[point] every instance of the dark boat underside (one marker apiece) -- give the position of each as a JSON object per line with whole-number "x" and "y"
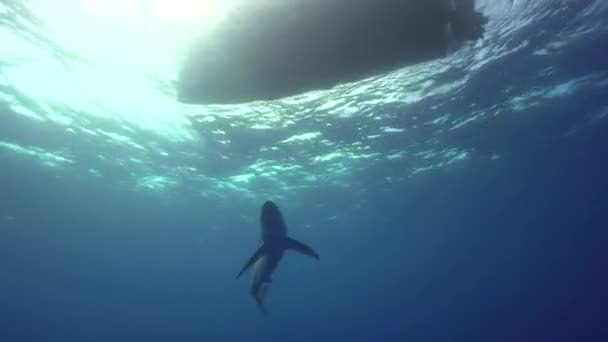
{"x": 271, "y": 49}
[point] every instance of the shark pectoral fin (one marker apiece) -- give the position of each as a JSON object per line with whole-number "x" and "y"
{"x": 251, "y": 260}
{"x": 302, "y": 248}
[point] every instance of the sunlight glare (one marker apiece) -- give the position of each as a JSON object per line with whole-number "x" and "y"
{"x": 159, "y": 9}
{"x": 127, "y": 46}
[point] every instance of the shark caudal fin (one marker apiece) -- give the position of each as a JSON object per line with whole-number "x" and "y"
{"x": 260, "y": 297}
{"x": 301, "y": 247}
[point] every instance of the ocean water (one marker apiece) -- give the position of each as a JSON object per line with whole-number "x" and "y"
{"x": 462, "y": 199}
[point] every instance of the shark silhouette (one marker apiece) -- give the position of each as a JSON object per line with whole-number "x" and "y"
{"x": 274, "y": 241}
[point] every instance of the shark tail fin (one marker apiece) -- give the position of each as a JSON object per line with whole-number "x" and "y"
{"x": 301, "y": 247}
{"x": 260, "y": 297}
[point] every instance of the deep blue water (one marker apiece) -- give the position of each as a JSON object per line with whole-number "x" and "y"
{"x": 473, "y": 213}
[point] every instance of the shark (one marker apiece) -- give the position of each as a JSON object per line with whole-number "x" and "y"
{"x": 273, "y": 243}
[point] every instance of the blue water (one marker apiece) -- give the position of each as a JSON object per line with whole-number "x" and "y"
{"x": 459, "y": 200}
